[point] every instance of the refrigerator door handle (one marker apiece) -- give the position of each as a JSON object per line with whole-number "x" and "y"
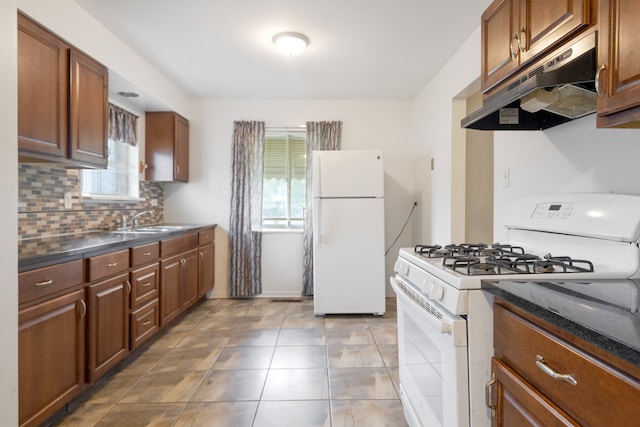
{"x": 316, "y": 176}
{"x": 316, "y": 220}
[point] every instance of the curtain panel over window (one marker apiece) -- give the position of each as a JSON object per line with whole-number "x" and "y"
{"x": 122, "y": 125}
{"x": 245, "y": 235}
{"x": 320, "y": 136}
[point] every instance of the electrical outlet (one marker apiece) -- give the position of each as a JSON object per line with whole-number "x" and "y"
{"x": 68, "y": 202}
{"x": 154, "y": 202}
{"x": 506, "y": 177}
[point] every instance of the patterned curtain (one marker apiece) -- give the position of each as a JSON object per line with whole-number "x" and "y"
{"x": 245, "y": 224}
{"x": 320, "y": 136}
{"x": 122, "y": 125}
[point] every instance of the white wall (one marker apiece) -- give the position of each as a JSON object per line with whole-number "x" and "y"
{"x": 282, "y": 271}
{"x": 367, "y": 124}
{"x": 432, "y": 138}
{"x": 9, "y": 215}
{"x": 573, "y": 157}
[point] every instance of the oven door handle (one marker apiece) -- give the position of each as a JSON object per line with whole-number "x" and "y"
{"x": 434, "y": 322}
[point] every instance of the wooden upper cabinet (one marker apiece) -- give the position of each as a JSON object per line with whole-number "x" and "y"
{"x": 62, "y": 100}
{"x": 167, "y": 147}
{"x": 43, "y": 90}
{"x": 89, "y": 100}
{"x": 499, "y": 23}
{"x": 544, "y": 23}
{"x": 619, "y": 76}
{"x": 516, "y": 31}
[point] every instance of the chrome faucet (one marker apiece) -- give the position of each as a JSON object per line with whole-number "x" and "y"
{"x": 135, "y": 217}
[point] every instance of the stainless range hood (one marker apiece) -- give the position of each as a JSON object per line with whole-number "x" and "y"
{"x": 559, "y": 89}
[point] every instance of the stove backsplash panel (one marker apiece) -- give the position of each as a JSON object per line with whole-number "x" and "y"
{"x": 41, "y": 207}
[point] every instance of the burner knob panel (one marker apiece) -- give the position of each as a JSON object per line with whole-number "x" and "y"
{"x": 436, "y": 293}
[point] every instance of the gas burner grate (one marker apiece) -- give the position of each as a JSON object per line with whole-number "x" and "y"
{"x": 569, "y": 264}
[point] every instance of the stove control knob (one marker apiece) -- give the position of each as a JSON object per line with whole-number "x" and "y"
{"x": 436, "y": 293}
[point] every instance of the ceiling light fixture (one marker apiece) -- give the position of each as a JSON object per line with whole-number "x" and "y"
{"x": 289, "y": 43}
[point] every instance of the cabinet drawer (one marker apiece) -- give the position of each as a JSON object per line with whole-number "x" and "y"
{"x": 521, "y": 344}
{"x": 145, "y": 254}
{"x": 145, "y": 322}
{"x": 144, "y": 284}
{"x": 205, "y": 236}
{"x": 178, "y": 244}
{"x": 106, "y": 265}
{"x": 46, "y": 281}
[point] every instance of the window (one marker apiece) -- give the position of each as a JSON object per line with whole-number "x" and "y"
{"x": 120, "y": 179}
{"x": 283, "y": 193}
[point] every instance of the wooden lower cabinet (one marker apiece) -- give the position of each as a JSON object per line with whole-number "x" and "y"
{"x": 145, "y": 322}
{"x": 542, "y": 379}
{"x": 178, "y": 284}
{"x": 205, "y": 269}
{"x": 519, "y": 404}
{"x": 108, "y": 316}
{"x": 51, "y": 354}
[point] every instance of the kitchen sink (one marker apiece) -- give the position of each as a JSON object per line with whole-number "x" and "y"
{"x": 150, "y": 229}
{"x": 159, "y": 228}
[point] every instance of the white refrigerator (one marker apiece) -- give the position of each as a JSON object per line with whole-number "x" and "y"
{"x": 348, "y": 232}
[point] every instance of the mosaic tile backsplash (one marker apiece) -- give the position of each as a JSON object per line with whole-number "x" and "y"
{"x": 41, "y": 208}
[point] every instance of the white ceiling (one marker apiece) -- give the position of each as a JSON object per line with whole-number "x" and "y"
{"x": 385, "y": 49}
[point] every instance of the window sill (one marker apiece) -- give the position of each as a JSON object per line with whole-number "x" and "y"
{"x": 109, "y": 199}
{"x": 282, "y": 231}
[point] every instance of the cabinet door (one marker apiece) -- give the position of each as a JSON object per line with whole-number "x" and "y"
{"x": 189, "y": 293}
{"x": 499, "y": 49}
{"x": 108, "y": 308}
{"x": 518, "y": 404}
{"x": 181, "y": 149}
{"x": 546, "y": 22}
{"x": 170, "y": 278}
{"x": 206, "y": 269}
{"x": 43, "y": 80}
{"x": 88, "y": 110}
{"x": 51, "y": 356}
{"x": 620, "y": 76}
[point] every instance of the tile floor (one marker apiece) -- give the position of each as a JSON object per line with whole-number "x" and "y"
{"x": 255, "y": 363}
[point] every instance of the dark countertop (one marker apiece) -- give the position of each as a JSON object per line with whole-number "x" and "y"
{"x": 40, "y": 252}
{"x": 613, "y": 330}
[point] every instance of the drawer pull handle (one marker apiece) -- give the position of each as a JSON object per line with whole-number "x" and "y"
{"x": 487, "y": 394}
{"x": 45, "y": 282}
{"x": 113, "y": 264}
{"x": 541, "y": 364}
{"x": 148, "y": 322}
{"x": 147, "y": 254}
{"x": 144, "y": 285}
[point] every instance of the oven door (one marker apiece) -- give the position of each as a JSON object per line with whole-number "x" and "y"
{"x": 432, "y": 352}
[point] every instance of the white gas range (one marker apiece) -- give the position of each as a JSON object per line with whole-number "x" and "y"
{"x": 587, "y": 243}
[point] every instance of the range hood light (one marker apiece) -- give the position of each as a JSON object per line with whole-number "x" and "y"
{"x": 539, "y": 99}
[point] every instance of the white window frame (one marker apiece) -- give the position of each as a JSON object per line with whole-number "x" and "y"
{"x": 286, "y": 225}
{"x": 132, "y": 191}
